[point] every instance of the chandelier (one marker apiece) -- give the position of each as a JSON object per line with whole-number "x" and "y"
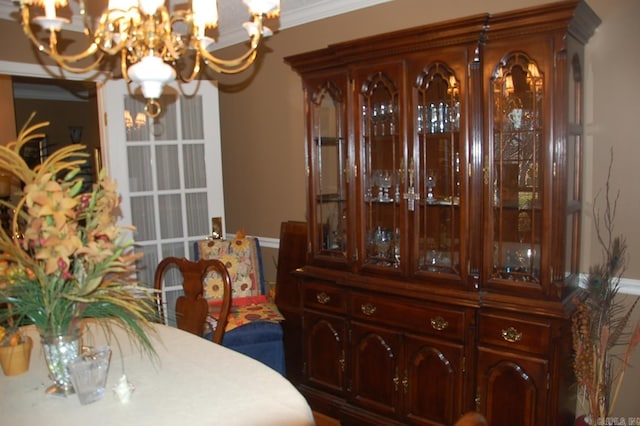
{"x": 149, "y": 39}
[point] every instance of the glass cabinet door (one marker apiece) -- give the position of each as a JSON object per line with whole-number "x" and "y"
{"x": 438, "y": 177}
{"x": 329, "y": 158}
{"x": 517, "y": 89}
{"x": 382, "y": 172}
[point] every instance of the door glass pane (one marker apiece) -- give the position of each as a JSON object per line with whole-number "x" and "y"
{"x": 194, "y": 175}
{"x": 173, "y": 249}
{"x": 167, "y": 167}
{"x": 139, "y": 166}
{"x": 143, "y": 218}
{"x": 165, "y": 126}
{"x": 382, "y": 172}
{"x": 517, "y": 89}
{"x": 170, "y": 209}
{"x": 191, "y": 117}
{"x": 196, "y": 211}
{"x": 147, "y": 263}
{"x": 330, "y": 155}
{"x": 136, "y": 122}
{"x": 438, "y": 129}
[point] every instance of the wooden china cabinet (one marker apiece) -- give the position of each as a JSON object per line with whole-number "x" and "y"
{"x": 444, "y": 170}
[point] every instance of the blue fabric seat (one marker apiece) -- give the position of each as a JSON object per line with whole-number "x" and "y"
{"x": 260, "y": 340}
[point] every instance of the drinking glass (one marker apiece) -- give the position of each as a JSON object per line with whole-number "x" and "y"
{"x": 89, "y": 374}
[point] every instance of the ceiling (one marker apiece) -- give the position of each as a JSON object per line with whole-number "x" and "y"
{"x": 232, "y": 14}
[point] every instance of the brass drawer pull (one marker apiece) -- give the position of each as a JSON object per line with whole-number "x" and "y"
{"x": 439, "y": 323}
{"x": 368, "y": 309}
{"x": 323, "y": 298}
{"x": 511, "y": 335}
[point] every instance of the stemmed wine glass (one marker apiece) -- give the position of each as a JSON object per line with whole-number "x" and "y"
{"x": 385, "y": 183}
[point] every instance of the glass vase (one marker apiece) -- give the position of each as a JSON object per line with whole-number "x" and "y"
{"x": 59, "y": 352}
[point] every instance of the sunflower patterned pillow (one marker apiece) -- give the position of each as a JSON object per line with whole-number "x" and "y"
{"x": 240, "y": 256}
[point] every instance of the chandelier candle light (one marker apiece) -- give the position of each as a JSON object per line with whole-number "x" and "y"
{"x": 149, "y": 38}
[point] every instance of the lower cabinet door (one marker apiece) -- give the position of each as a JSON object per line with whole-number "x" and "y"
{"x": 376, "y": 370}
{"x": 512, "y": 388}
{"x": 325, "y": 363}
{"x": 432, "y": 381}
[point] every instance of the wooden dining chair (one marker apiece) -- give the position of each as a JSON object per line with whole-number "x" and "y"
{"x": 191, "y": 308}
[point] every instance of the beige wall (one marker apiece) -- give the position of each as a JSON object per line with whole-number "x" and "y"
{"x": 7, "y": 124}
{"x": 262, "y": 128}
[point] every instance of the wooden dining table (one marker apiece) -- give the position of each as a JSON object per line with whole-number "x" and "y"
{"x": 192, "y": 381}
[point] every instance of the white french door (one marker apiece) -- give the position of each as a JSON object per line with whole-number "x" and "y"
{"x": 168, "y": 169}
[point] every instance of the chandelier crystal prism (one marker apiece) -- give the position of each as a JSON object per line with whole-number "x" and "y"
{"x": 149, "y": 39}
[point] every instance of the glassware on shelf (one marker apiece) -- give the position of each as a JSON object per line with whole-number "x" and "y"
{"x": 382, "y": 119}
{"x": 365, "y": 121}
{"x": 377, "y": 182}
{"x": 385, "y": 182}
{"x": 438, "y": 117}
{"x": 396, "y": 246}
{"x": 420, "y": 117}
{"x": 391, "y": 118}
{"x": 432, "y": 118}
{"x": 455, "y": 116}
{"x": 381, "y": 243}
{"x": 431, "y": 183}
{"x": 433, "y": 258}
{"x": 375, "y": 119}
{"x": 369, "y": 183}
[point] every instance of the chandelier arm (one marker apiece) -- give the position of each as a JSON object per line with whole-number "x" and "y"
{"x": 219, "y": 66}
{"x": 170, "y": 41}
{"x": 232, "y": 66}
{"x": 100, "y": 35}
{"x": 62, "y": 60}
{"x": 123, "y": 65}
{"x": 164, "y": 36}
{"x": 241, "y": 63}
{"x": 195, "y": 71}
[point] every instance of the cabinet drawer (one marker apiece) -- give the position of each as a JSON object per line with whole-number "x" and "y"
{"x": 423, "y": 318}
{"x": 324, "y": 297}
{"x": 529, "y": 335}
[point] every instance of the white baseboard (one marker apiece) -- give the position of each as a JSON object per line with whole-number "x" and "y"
{"x": 630, "y": 286}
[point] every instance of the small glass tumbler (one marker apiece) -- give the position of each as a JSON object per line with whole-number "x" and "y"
{"x": 89, "y": 374}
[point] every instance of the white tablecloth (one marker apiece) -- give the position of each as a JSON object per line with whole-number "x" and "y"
{"x": 193, "y": 382}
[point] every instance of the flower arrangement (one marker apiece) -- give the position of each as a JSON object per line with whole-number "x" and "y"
{"x": 64, "y": 258}
{"x": 601, "y": 340}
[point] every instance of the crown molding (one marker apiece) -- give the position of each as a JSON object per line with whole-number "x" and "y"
{"x": 300, "y": 15}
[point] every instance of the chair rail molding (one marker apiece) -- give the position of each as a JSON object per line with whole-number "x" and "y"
{"x": 630, "y": 286}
